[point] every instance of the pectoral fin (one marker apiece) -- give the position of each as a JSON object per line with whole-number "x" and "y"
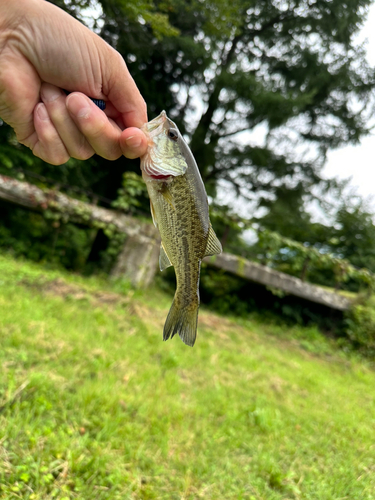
{"x": 167, "y": 195}
{"x": 164, "y": 261}
{"x": 213, "y": 246}
{"x": 153, "y": 214}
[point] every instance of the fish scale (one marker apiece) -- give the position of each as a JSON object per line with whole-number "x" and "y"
{"x": 179, "y": 207}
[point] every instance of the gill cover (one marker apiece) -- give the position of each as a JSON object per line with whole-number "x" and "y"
{"x": 163, "y": 157}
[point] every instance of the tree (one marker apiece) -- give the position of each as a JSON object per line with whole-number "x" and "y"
{"x": 354, "y": 235}
{"x": 221, "y": 69}
{"x": 225, "y": 70}
{"x": 289, "y": 67}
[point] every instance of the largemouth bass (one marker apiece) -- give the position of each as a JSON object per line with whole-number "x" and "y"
{"x": 179, "y": 209}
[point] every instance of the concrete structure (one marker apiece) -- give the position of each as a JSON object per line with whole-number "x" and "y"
{"x": 274, "y": 279}
{"x": 139, "y": 257}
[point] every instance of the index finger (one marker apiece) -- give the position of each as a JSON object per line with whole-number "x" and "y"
{"x": 102, "y": 133}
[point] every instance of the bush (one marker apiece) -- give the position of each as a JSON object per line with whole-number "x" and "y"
{"x": 360, "y": 327}
{"x": 28, "y": 234}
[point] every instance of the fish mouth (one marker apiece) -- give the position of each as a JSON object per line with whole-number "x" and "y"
{"x": 155, "y": 126}
{"x": 156, "y": 164}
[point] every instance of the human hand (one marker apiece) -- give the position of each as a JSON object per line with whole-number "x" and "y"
{"x": 44, "y": 50}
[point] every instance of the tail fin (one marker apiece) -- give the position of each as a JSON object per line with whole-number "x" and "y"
{"x": 182, "y": 319}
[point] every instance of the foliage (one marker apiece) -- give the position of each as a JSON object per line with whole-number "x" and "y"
{"x": 90, "y": 12}
{"x": 354, "y": 235}
{"x": 63, "y": 238}
{"x": 349, "y": 237}
{"x": 132, "y": 195}
{"x": 360, "y": 326}
{"x": 287, "y": 215}
{"x": 297, "y": 254}
{"x": 12, "y": 154}
{"x": 238, "y": 297}
{"x": 323, "y": 260}
{"x": 292, "y": 68}
{"x": 228, "y": 227}
{"x": 223, "y": 70}
{"x": 95, "y": 405}
{"x": 44, "y": 239}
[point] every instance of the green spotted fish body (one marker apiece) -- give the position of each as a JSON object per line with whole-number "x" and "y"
{"x": 179, "y": 209}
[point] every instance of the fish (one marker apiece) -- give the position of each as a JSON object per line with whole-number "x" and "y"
{"x": 179, "y": 209}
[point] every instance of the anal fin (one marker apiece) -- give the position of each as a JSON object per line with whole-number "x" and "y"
{"x": 213, "y": 246}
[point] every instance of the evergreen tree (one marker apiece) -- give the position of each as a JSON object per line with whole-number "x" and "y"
{"x": 291, "y": 68}
{"x": 221, "y": 69}
{"x": 224, "y": 70}
{"x": 354, "y": 235}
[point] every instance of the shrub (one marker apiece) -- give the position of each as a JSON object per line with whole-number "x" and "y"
{"x": 360, "y": 327}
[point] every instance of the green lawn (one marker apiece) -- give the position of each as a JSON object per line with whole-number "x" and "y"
{"x": 95, "y": 406}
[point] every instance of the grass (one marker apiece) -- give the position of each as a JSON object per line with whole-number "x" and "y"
{"x": 93, "y": 405}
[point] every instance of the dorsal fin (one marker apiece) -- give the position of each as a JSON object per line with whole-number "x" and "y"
{"x": 213, "y": 246}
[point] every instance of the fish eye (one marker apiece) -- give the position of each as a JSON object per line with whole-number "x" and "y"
{"x": 173, "y": 134}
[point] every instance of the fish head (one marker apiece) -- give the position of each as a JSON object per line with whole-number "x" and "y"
{"x": 164, "y": 158}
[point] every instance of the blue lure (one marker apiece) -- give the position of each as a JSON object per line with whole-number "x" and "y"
{"x": 99, "y": 102}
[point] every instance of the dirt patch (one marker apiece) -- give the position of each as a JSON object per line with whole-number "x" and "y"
{"x": 214, "y": 322}
{"x": 150, "y": 315}
{"x": 68, "y": 291}
{"x": 223, "y": 327}
{"x": 60, "y": 288}
{"x": 63, "y": 289}
{"x": 277, "y": 384}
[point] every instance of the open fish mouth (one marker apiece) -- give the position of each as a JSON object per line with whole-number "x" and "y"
{"x": 154, "y": 126}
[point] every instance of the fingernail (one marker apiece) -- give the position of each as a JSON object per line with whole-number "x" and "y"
{"x": 42, "y": 112}
{"x": 50, "y": 93}
{"x": 134, "y": 141}
{"x": 78, "y": 106}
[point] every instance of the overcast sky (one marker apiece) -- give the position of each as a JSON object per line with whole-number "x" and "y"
{"x": 358, "y": 162}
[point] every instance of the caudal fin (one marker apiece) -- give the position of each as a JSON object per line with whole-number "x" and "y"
{"x": 182, "y": 320}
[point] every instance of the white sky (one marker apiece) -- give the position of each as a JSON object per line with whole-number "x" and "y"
{"x": 358, "y": 162}
{"x": 349, "y": 162}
